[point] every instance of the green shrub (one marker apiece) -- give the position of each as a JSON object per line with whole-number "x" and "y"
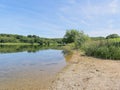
{"x": 107, "y": 49}
{"x": 112, "y": 36}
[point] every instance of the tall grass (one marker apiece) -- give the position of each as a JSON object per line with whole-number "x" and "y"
{"x": 68, "y": 48}
{"x": 107, "y": 49}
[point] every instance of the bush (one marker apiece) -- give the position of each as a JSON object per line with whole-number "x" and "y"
{"x": 81, "y": 40}
{"x": 76, "y": 37}
{"x": 68, "y": 48}
{"x": 103, "y": 49}
{"x": 112, "y": 36}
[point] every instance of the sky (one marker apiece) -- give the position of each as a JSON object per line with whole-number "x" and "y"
{"x": 51, "y": 18}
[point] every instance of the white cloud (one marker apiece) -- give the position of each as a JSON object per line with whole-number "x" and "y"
{"x": 98, "y": 17}
{"x": 90, "y": 9}
{"x": 107, "y": 8}
{"x": 114, "y": 7}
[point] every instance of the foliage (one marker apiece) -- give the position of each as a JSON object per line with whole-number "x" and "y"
{"x": 81, "y": 40}
{"x": 71, "y": 36}
{"x": 112, "y": 36}
{"x": 31, "y": 39}
{"x": 97, "y": 38}
{"x": 76, "y": 37}
{"x": 68, "y": 49}
{"x": 107, "y": 49}
{"x": 95, "y": 46}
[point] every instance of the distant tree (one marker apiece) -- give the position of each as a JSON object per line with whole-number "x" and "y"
{"x": 112, "y": 36}
{"x": 29, "y": 36}
{"x": 34, "y": 36}
{"x": 71, "y": 36}
{"x": 74, "y": 36}
{"x": 31, "y": 41}
{"x": 2, "y": 41}
{"x": 14, "y": 38}
{"x": 98, "y": 38}
{"x": 18, "y": 36}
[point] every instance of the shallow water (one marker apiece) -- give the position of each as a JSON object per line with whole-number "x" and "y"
{"x": 29, "y": 71}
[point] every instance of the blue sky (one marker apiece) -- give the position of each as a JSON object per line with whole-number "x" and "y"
{"x": 51, "y": 18}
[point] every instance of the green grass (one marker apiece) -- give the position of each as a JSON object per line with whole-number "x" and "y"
{"x": 106, "y": 49}
{"x": 67, "y": 49}
{"x": 18, "y": 44}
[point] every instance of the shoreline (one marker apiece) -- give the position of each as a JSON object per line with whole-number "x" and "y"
{"x": 88, "y": 73}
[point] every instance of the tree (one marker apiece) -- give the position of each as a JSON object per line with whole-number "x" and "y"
{"x": 74, "y": 36}
{"x": 14, "y": 38}
{"x": 112, "y": 36}
{"x": 81, "y": 40}
{"x": 71, "y": 36}
{"x": 30, "y": 36}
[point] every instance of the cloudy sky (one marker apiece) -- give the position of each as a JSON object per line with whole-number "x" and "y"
{"x": 51, "y": 18}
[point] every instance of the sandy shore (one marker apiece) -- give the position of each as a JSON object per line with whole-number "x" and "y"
{"x": 87, "y": 73}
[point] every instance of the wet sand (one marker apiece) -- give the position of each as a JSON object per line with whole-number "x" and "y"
{"x": 33, "y": 79}
{"x": 88, "y": 73}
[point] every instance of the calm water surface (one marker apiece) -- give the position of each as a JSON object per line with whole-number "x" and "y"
{"x": 28, "y": 69}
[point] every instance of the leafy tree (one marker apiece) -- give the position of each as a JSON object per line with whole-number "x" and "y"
{"x": 81, "y": 40}
{"x": 112, "y": 36}
{"x": 75, "y": 36}
{"x": 71, "y": 36}
{"x": 30, "y": 36}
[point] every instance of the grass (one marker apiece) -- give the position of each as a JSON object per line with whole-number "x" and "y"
{"x": 18, "y": 44}
{"x": 106, "y": 49}
{"x": 68, "y": 49}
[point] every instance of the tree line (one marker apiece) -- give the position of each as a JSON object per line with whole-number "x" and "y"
{"x": 12, "y": 38}
{"x": 71, "y": 36}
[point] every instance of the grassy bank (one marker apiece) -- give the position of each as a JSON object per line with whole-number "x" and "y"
{"x": 18, "y": 44}
{"x": 100, "y": 47}
{"x": 106, "y": 49}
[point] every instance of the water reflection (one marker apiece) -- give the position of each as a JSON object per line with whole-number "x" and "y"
{"x": 23, "y": 48}
{"x": 30, "y": 70}
{"x": 67, "y": 55}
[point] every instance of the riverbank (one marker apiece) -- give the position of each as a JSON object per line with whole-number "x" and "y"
{"x": 87, "y": 73}
{"x": 20, "y": 44}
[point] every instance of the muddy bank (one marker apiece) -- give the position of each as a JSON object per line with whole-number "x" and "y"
{"x": 87, "y": 73}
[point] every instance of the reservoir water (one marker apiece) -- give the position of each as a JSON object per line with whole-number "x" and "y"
{"x": 29, "y": 68}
